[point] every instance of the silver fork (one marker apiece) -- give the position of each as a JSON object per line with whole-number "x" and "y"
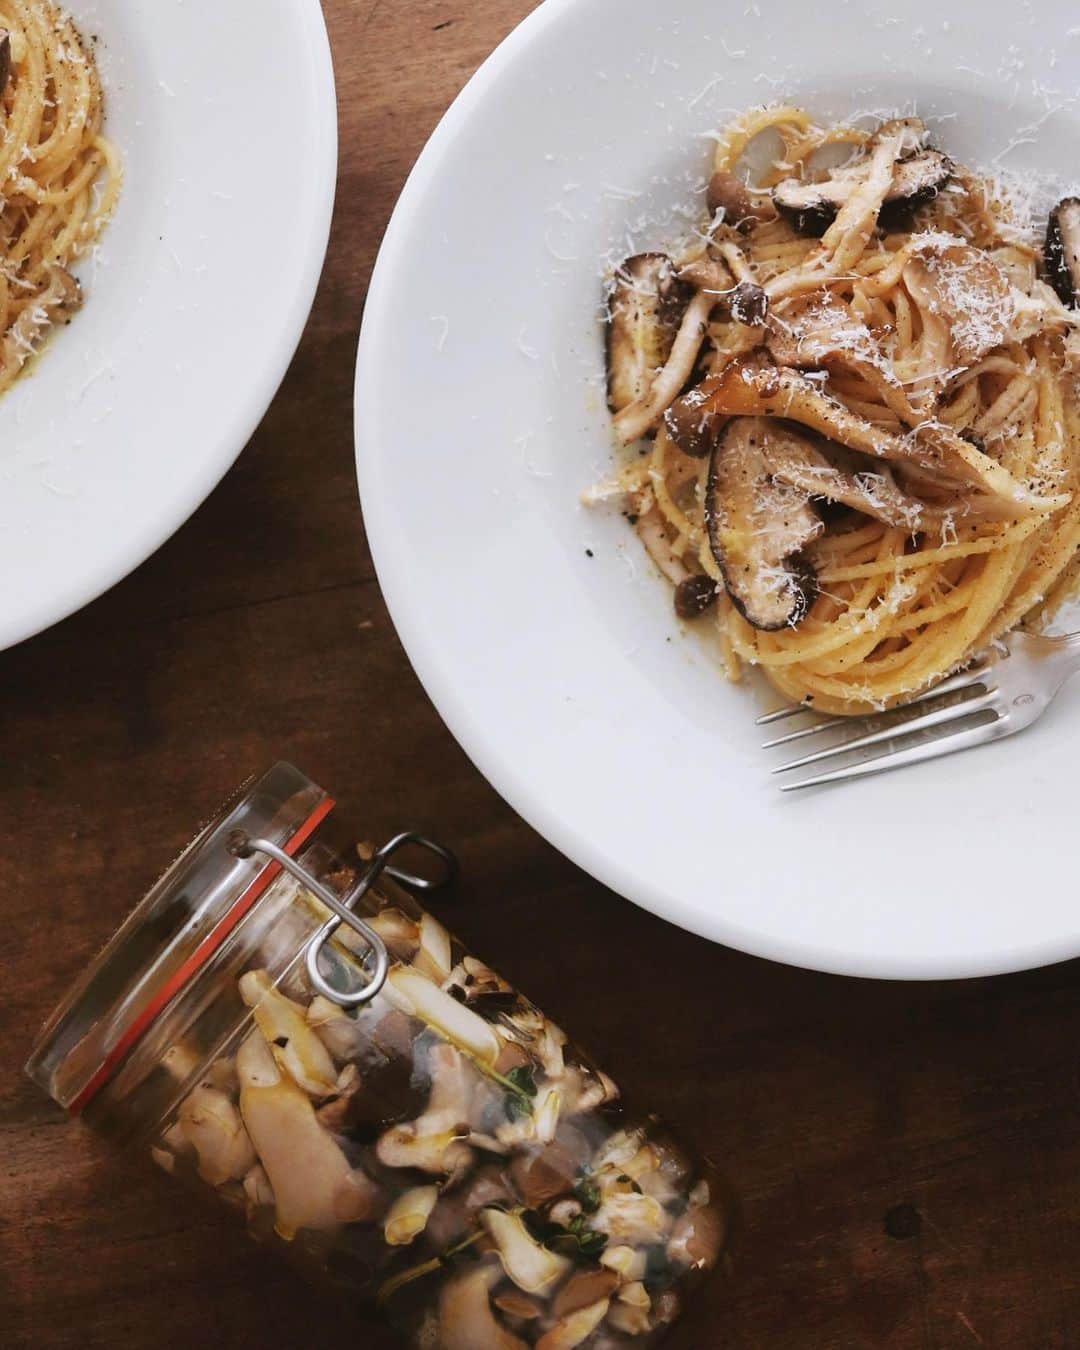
{"x": 998, "y": 694}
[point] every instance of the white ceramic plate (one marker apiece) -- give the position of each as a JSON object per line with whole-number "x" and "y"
{"x": 480, "y": 418}
{"x": 225, "y": 116}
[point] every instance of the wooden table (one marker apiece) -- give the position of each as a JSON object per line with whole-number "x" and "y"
{"x": 908, "y": 1155}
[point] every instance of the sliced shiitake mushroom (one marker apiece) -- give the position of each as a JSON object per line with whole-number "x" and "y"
{"x": 5, "y": 58}
{"x": 757, "y": 529}
{"x": 1063, "y": 250}
{"x": 757, "y": 387}
{"x": 918, "y": 176}
{"x": 645, "y": 306}
{"x": 964, "y": 292}
{"x": 841, "y": 477}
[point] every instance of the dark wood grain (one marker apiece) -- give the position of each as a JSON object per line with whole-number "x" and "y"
{"x": 908, "y": 1156}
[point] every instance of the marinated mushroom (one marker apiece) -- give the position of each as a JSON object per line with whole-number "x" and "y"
{"x": 1062, "y": 252}
{"x": 632, "y": 1218}
{"x": 696, "y": 1238}
{"x": 433, "y": 1142}
{"x": 433, "y": 957}
{"x": 313, "y": 1183}
{"x": 542, "y": 1175}
{"x": 919, "y": 174}
{"x": 466, "y": 1321}
{"x": 532, "y": 1267}
{"x": 583, "y": 1288}
{"x": 407, "y": 1217}
{"x": 540, "y": 1123}
{"x": 757, "y": 529}
{"x": 631, "y": 1263}
{"x": 575, "y": 1328}
{"x": 257, "y": 1188}
{"x": 334, "y": 1113}
{"x": 293, "y": 1042}
{"x": 342, "y": 1035}
{"x": 645, "y": 307}
{"x": 164, "y": 1158}
{"x": 518, "y": 1306}
{"x": 212, "y": 1125}
{"x": 631, "y": 1310}
{"x": 415, "y": 994}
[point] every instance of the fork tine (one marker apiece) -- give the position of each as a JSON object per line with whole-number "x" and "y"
{"x": 811, "y": 730}
{"x": 968, "y": 680}
{"x": 937, "y": 717}
{"x": 790, "y": 710}
{"x": 960, "y": 680}
{"x": 948, "y": 744}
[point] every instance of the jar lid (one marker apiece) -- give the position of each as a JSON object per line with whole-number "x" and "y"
{"x": 171, "y": 934}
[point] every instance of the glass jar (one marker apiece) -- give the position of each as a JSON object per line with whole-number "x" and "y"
{"x": 279, "y": 1022}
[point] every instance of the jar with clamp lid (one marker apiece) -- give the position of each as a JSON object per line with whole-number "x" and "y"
{"x": 280, "y": 1023}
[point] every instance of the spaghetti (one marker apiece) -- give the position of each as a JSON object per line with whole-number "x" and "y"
{"x": 912, "y": 380}
{"x": 60, "y": 176}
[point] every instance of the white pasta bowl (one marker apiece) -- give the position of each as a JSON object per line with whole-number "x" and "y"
{"x": 195, "y": 299}
{"x": 544, "y": 637}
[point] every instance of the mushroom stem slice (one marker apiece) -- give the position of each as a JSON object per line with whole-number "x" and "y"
{"x": 1063, "y": 250}
{"x": 434, "y": 957}
{"x": 645, "y": 307}
{"x": 757, "y": 528}
{"x": 418, "y": 996}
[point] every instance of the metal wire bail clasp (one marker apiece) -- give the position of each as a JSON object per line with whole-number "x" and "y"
{"x": 242, "y": 845}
